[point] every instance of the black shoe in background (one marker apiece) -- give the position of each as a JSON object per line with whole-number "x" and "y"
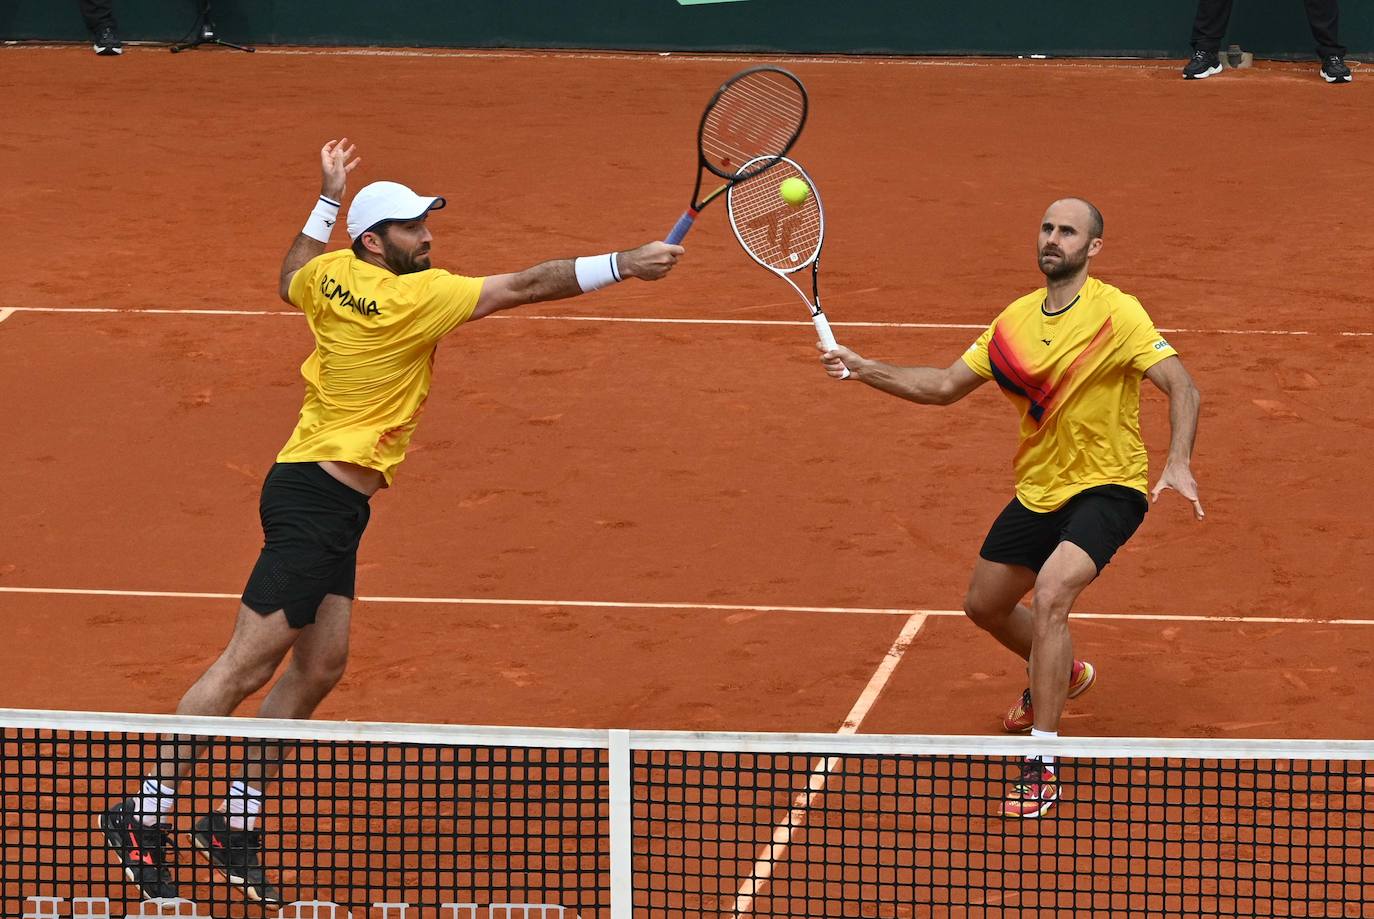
{"x": 1334, "y": 69}
{"x": 1202, "y": 65}
{"x": 107, "y": 42}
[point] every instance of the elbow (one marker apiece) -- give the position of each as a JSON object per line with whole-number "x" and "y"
{"x": 947, "y": 394}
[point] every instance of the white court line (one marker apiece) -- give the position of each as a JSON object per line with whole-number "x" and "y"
{"x": 801, "y": 804}
{"x": 656, "y": 320}
{"x": 886, "y": 667}
{"x": 711, "y": 607}
{"x": 151, "y": 311}
{"x": 6, "y": 313}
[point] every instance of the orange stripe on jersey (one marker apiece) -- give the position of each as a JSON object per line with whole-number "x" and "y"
{"x": 1065, "y": 382}
{"x": 1009, "y": 370}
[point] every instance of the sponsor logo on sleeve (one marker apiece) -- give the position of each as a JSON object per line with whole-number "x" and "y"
{"x": 1161, "y": 345}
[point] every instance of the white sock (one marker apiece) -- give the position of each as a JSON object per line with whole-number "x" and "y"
{"x": 154, "y": 802}
{"x": 1047, "y": 760}
{"x": 243, "y": 805}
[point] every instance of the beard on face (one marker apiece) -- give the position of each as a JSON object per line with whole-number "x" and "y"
{"x": 402, "y": 261}
{"x": 1067, "y": 266}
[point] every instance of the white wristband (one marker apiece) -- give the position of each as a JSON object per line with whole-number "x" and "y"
{"x": 322, "y": 219}
{"x": 596, "y": 271}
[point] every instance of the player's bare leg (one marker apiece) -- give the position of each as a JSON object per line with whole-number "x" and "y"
{"x": 1064, "y": 576}
{"x": 138, "y": 830}
{"x": 255, "y": 649}
{"x": 318, "y": 659}
{"x": 317, "y": 663}
{"x": 993, "y": 604}
{"x": 230, "y": 838}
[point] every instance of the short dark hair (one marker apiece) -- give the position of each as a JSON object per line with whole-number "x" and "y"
{"x": 379, "y": 228}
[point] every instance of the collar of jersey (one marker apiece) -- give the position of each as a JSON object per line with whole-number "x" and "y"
{"x": 1049, "y": 315}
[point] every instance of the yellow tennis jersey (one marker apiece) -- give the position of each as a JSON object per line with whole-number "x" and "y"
{"x": 375, "y": 337}
{"x": 1075, "y": 378}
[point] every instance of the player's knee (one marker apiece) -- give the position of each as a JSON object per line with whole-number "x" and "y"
{"x": 1052, "y": 603}
{"x": 982, "y": 614}
{"x": 323, "y": 672}
{"x": 247, "y": 677}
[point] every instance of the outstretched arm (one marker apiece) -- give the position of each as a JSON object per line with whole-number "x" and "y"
{"x": 563, "y": 278}
{"x": 1184, "y": 401}
{"x": 336, "y": 162}
{"x": 926, "y": 385}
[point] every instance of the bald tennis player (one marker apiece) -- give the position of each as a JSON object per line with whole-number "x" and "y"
{"x": 377, "y": 310}
{"x": 1070, "y": 357}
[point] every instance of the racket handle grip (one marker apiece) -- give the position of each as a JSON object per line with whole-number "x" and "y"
{"x": 679, "y": 230}
{"x": 827, "y": 337}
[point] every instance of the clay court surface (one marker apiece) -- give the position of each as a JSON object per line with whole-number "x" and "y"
{"x": 705, "y": 532}
{"x": 684, "y": 463}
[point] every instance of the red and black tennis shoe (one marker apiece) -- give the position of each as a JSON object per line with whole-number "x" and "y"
{"x": 1020, "y": 718}
{"x": 1034, "y": 793}
{"x": 142, "y": 850}
{"x": 236, "y": 854}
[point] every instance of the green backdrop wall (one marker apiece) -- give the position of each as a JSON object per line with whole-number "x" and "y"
{"x": 1146, "y": 28}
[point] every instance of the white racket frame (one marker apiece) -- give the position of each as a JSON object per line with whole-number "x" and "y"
{"x": 813, "y": 302}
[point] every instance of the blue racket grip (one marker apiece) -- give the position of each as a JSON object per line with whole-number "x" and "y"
{"x": 679, "y": 230}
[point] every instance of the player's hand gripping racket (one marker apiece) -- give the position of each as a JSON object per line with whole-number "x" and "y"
{"x": 752, "y": 120}
{"x": 784, "y": 238}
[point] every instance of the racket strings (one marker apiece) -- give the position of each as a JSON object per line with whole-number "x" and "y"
{"x": 779, "y": 235}
{"x": 760, "y": 114}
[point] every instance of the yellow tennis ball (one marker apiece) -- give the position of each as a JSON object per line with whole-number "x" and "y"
{"x": 794, "y": 191}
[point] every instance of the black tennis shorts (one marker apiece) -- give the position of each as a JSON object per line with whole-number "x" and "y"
{"x": 1098, "y": 520}
{"x": 311, "y": 526}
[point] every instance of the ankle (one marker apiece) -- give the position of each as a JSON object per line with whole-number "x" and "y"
{"x": 1036, "y": 733}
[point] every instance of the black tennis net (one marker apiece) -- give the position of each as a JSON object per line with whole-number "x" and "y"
{"x": 478, "y": 822}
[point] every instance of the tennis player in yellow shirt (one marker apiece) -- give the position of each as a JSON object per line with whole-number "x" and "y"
{"x": 1070, "y": 357}
{"x": 377, "y": 311}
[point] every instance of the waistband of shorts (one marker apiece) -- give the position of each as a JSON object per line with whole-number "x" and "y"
{"x": 1116, "y": 492}
{"x": 312, "y": 474}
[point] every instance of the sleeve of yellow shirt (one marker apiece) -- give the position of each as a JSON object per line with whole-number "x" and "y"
{"x": 447, "y": 301}
{"x": 303, "y": 281}
{"x": 1142, "y": 341}
{"x": 977, "y": 354}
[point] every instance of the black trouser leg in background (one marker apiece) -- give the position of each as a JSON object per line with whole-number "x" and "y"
{"x": 100, "y": 13}
{"x": 1324, "y": 17}
{"x": 1209, "y": 25}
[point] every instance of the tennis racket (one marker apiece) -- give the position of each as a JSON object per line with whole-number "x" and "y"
{"x": 752, "y": 120}
{"x": 782, "y": 237}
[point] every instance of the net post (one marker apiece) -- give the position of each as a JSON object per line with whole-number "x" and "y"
{"x": 621, "y": 825}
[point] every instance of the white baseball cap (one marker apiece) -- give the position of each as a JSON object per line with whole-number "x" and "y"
{"x": 387, "y": 201}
